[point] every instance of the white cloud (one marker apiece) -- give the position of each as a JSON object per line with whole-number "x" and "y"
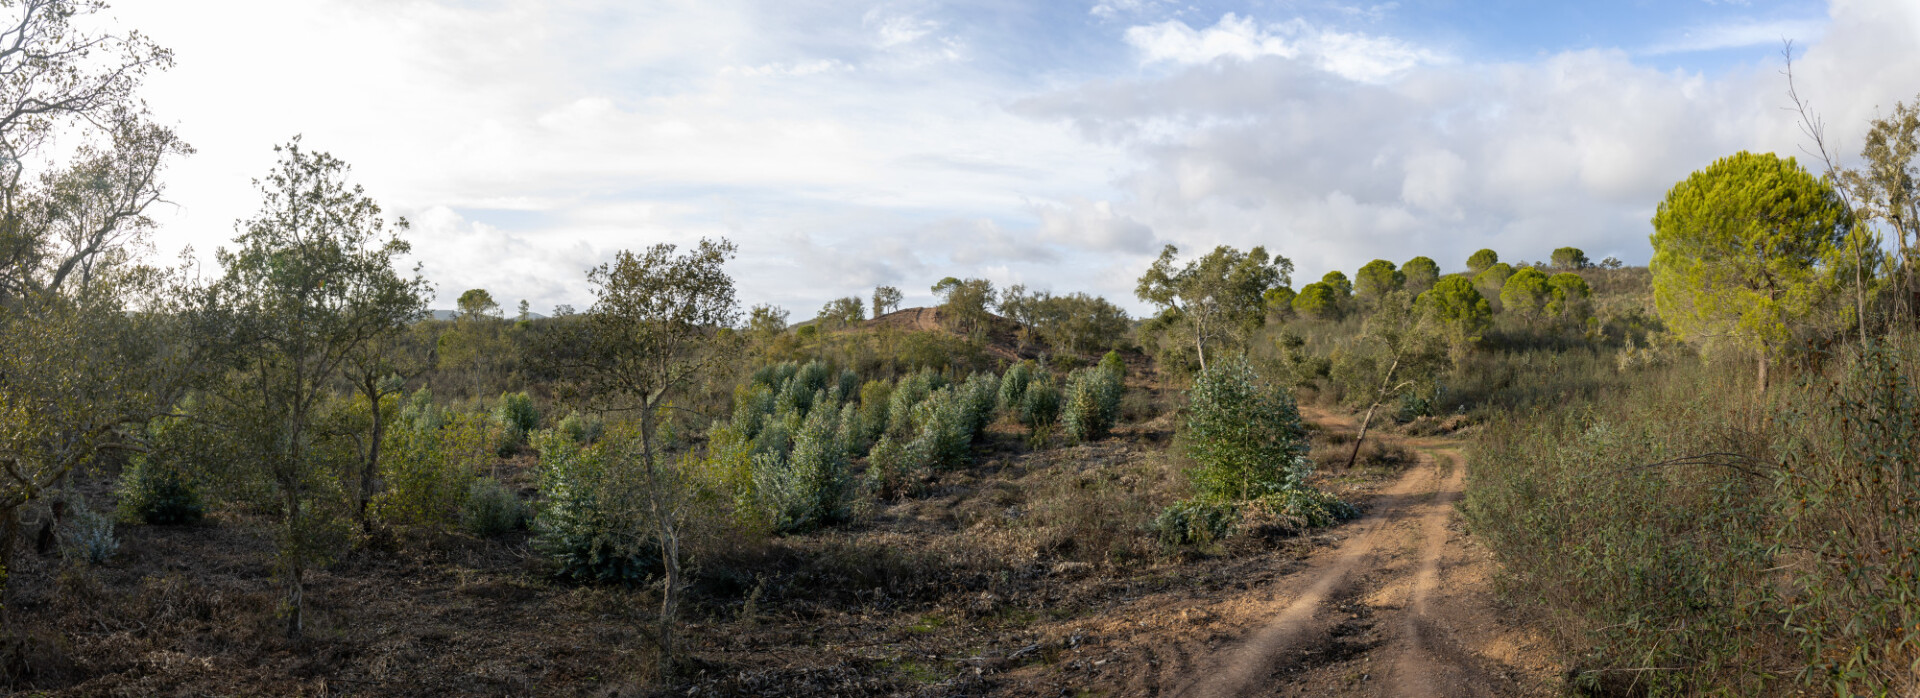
{"x": 1350, "y": 55}
{"x": 1739, "y": 35}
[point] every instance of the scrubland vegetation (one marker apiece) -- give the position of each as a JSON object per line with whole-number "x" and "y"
{"x": 1698, "y": 477}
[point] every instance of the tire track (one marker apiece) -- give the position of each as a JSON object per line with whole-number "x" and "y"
{"x": 1297, "y": 624}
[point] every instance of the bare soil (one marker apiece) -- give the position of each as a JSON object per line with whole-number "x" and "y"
{"x": 1026, "y": 575}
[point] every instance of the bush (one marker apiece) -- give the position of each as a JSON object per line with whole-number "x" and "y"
{"x": 1194, "y": 522}
{"x": 980, "y": 393}
{"x": 517, "y": 416}
{"x": 810, "y": 487}
{"x": 892, "y": 467}
{"x": 491, "y": 509}
{"x": 1245, "y": 436}
{"x": 1114, "y": 363}
{"x": 428, "y": 471}
{"x": 946, "y": 432}
{"x": 1040, "y": 405}
{"x": 874, "y": 398}
{"x": 1013, "y": 386}
{"x": 153, "y": 492}
{"x": 583, "y": 429}
{"x": 88, "y": 536}
{"x": 588, "y": 518}
{"x": 1308, "y": 505}
{"x": 912, "y": 390}
{"x": 1092, "y": 403}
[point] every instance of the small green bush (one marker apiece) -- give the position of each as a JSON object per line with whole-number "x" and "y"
{"x": 946, "y": 434}
{"x": 810, "y": 487}
{"x": 588, "y": 517}
{"x": 1245, "y": 436}
{"x": 491, "y": 509}
{"x": 428, "y": 471}
{"x": 155, "y": 493}
{"x": 1311, "y": 506}
{"x": 1092, "y": 403}
{"x": 893, "y": 467}
{"x": 874, "y": 408}
{"x": 1193, "y": 522}
{"x": 583, "y": 429}
{"x": 1013, "y": 386}
{"x": 1040, "y": 405}
{"x": 1115, "y": 363}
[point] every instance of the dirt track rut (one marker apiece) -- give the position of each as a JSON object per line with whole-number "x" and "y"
{"x": 1399, "y": 608}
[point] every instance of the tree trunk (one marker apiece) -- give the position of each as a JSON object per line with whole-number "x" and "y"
{"x": 9, "y": 530}
{"x": 1762, "y": 364}
{"x": 1364, "y": 422}
{"x": 1198, "y": 346}
{"x": 296, "y": 569}
{"x": 371, "y": 467}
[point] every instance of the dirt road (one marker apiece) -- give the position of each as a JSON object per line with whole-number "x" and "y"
{"x": 1400, "y": 608}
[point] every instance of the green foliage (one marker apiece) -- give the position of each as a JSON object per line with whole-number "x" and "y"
{"x": 1244, "y": 436}
{"x": 1570, "y": 259}
{"x": 156, "y": 493}
{"x": 1458, "y": 310}
{"x": 1421, "y": 273}
{"x": 886, "y": 299}
{"x": 1195, "y": 522}
{"x": 893, "y": 467}
{"x": 517, "y": 418}
{"x": 1040, "y": 404}
{"x": 1013, "y": 385}
{"x": 1567, "y": 297}
{"x": 842, "y": 312}
{"x": 490, "y": 508}
{"x": 965, "y": 304}
{"x": 1318, "y": 301}
{"x": 1482, "y": 260}
{"x": 1312, "y": 507}
{"x": 1114, "y": 363}
{"x": 1377, "y": 278}
{"x": 1744, "y": 251}
{"x": 1490, "y": 281}
{"x": 476, "y": 303}
{"x": 159, "y": 487}
{"x": 1337, "y": 280}
{"x": 1091, "y": 404}
{"x": 1525, "y": 293}
{"x": 583, "y": 428}
{"x": 946, "y": 428}
{"x": 588, "y": 520}
{"x": 1279, "y": 301}
{"x": 1077, "y": 322}
{"x": 979, "y": 395}
{"x": 810, "y": 487}
{"x": 429, "y": 471}
{"x": 1216, "y": 299}
{"x": 876, "y": 398}
{"x": 909, "y": 393}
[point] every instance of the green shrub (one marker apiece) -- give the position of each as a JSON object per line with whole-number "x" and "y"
{"x": 154, "y": 492}
{"x": 874, "y": 398}
{"x": 517, "y": 414}
{"x": 157, "y": 487}
{"x": 428, "y": 471}
{"x": 1193, "y": 522}
{"x": 979, "y": 395}
{"x": 490, "y": 509}
{"x": 1040, "y": 404}
{"x": 1244, "y": 435}
{"x": 911, "y": 391}
{"x": 946, "y": 432}
{"x": 893, "y": 467}
{"x": 589, "y": 515}
{"x": 810, "y": 487}
{"x": 1310, "y": 506}
{"x": 583, "y": 429}
{"x": 1092, "y": 403}
{"x": 1115, "y": 363}
{"x": 1013, "y": 386}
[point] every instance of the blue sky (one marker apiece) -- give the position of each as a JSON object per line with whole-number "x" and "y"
{"x": 1057, "y": 144}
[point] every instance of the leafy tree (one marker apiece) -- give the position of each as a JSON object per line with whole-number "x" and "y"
{"x": 886, "y": 299}
{"x": 1092, "y": 402}
{"x": 1337, "y": 280}
{"x": 1570, "y": 259}
{"x": 651, "y": 337}
{"x": 1395, "y": 353}
{"x": 477, "y": 303}
{"x": 1567, "y": 297}
{"x": 1744, "y": 250}
{"x": 1245, "y": 436}
{"x": 843, "y": 312}
{"x": 1317, "y": 300}
{"x": 1888, "y": 186}
{"x": 1481, "y": 261}
{"x": 1279, "y": 301}
{"x": 1457, "y": 311}
{"x": 1421, "y": 274}
{"x": 1218, "y": 297}
{"x": 1376, "y": 279}
{"x": 81, "y": 326}
{"x": 1525, "y": 293}
{"x": 965, "y": 305}
{"x": 766, "y": 321}
{"x": 1493, "y": 279}
{"x": 310, "y": 281}
{"x": 1077, "y": 322}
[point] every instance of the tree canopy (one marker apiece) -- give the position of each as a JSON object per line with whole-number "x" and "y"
{"x": 1746, "y": 248}
{"x": 1219, "y": 296}
{"x": 1481, "y": 260}
{"x": 1420, "y": 273}
{"x": 1377, "y": 278}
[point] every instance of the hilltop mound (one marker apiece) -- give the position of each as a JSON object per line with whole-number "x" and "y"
{"x": 1002, "y": 335}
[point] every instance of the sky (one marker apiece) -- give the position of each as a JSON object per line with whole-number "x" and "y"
{"x": 1057, "y": 145}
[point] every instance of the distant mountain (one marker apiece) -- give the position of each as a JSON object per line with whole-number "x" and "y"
{"x": 451, "y": 314}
